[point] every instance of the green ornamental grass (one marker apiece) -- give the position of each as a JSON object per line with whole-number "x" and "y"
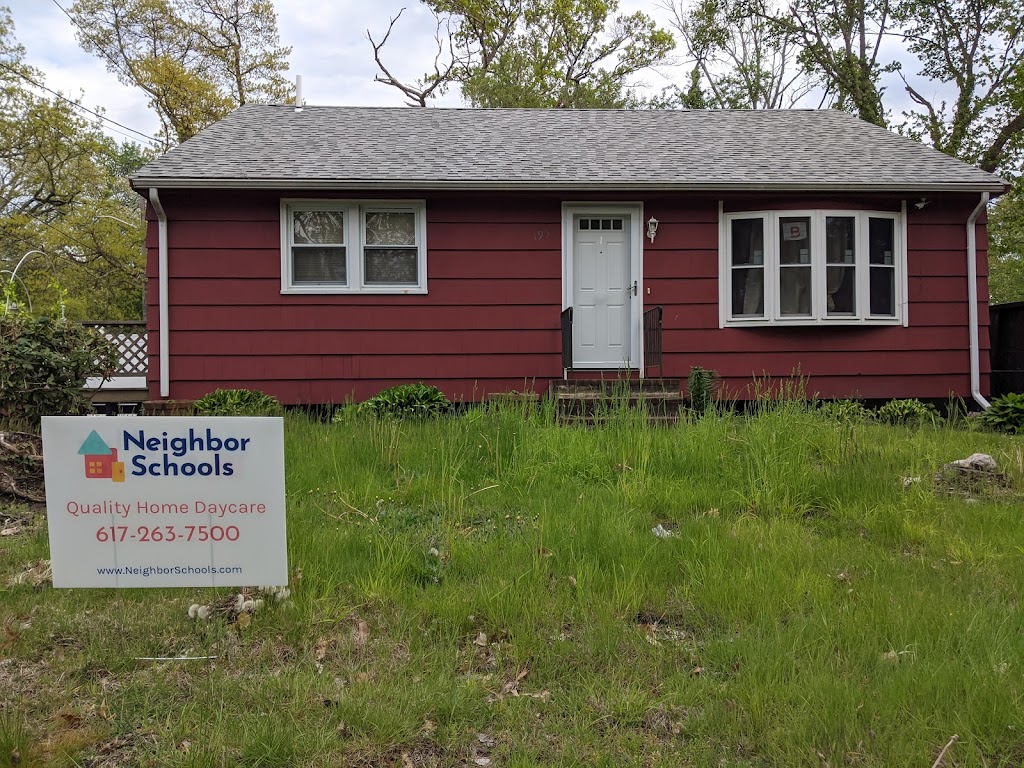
{"x": 486, "y": 589}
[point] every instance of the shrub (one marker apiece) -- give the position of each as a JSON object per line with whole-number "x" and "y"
{"x": 908, "y": 413}
{"x": 1005, "y": 414}
{"x": 237, "y": 402}
{"x": 407, "y": 401}
{"x": 700, "y": 385}
{"x": 44, "y": 364}
{"x": 844, "y": 411}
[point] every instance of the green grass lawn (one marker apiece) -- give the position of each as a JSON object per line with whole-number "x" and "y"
{"x": 487, "y": 590}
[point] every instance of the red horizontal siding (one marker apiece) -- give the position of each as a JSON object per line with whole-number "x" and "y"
{"x": 266, "y": 263}
{"x": 462, "y": 211}
{"x": 490, "y": 321}
{"x": 381, "y": 342}
{"x": 267, "y": 292}
{"x": 424, "y": 366}
{"x": 503, "y": 236}
{"x": 361, "y": 318}
{"x": 681, "y": 264}
{"x": 814, "y": 341}
{"x": 943, "y": 237}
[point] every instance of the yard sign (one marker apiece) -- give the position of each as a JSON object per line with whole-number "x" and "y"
{"x": 165, "y": 501}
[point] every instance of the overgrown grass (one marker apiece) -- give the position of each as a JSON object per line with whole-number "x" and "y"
{"x": 488, "y": 587}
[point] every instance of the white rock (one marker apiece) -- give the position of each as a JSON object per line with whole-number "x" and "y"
{"x": 981, "y": 462}
{"x": 660, "y": 531}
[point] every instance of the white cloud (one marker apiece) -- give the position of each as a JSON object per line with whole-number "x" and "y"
{"x": 330, "y": 51}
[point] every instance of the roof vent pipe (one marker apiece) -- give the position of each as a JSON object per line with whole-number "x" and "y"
{"x": 298, "y": 93}
{"x": 972, "y": 301}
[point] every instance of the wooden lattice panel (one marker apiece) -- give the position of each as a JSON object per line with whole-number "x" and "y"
{"x": 132, "y": 346}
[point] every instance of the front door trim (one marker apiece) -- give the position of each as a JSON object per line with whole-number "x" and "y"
{"x": 635, "y": 211}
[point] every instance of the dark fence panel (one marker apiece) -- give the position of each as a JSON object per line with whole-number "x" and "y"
{"x": 1006, "y": 334}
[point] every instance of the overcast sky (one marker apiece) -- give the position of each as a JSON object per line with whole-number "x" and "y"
{"x": 329, "y": 50}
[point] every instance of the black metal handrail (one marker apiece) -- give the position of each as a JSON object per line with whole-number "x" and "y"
{"x": 652, "y": 337}
{"x": 567, "y": 337}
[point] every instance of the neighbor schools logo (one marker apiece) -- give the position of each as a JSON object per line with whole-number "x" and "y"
{"x": 165, "y": 455}
{"x": 101, "y": 460}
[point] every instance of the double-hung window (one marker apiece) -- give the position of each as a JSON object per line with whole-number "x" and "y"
{"x": 333, "y": 246}
{"x": 810, "y": 267}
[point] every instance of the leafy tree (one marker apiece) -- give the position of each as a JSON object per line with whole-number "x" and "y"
{"x": 840, "y": 45}
{"x": 534, "y": 53}
{"x": 741, "y": 60}
{"x": 195, "y": 59}
{"x": 61, "y": 182}
{"x": 1006, "y": 247}
{"x": 976, "y": 46}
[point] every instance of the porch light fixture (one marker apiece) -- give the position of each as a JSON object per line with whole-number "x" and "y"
{"x": 652, "y": 228}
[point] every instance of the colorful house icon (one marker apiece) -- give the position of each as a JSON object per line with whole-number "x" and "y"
{"x": 101, "y": 460}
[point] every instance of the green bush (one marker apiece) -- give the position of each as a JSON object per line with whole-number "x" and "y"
{"x": 407, "y": 401}
{"x": 1005, "y": 414}
{"x": 237, "y": 402}
{"x": 44, "y": 364}
{"x": 844, "y": 411}
{"x": 908, "y": 413}
{"x": 700, "y": 385}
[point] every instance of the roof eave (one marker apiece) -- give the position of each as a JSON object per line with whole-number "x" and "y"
{"x": 145, "y": 182}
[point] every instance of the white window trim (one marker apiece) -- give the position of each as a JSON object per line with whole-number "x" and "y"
{"x": 354, "y": 236}
{"x": 772, "y": 313}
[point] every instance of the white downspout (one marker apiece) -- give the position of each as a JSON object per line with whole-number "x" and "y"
{"x": 972, "y": 299}
{"x": 165, "y": 357}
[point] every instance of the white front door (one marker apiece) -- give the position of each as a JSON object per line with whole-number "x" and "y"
{"x": 602, "y": 292}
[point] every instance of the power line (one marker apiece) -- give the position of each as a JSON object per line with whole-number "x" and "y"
{"x": 70, "y": 137}
{"x": 76, "y": 105}
{"x": 110, "y": 59}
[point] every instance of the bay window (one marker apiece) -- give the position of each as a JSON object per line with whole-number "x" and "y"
{"x": 810, "y": 267}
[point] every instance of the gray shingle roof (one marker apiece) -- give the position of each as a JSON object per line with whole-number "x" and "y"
{"x": 369, "y": 147}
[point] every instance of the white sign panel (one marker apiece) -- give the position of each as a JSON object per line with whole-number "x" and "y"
{"x": 153, "y": 501}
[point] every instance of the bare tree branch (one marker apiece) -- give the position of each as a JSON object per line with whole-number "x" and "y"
{"x": 418, "y": 93}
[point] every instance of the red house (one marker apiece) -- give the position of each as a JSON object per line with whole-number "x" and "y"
{"x": 323, "y": 253}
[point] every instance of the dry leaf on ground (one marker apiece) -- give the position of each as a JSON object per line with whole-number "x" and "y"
{"x": 361, "y": 633}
